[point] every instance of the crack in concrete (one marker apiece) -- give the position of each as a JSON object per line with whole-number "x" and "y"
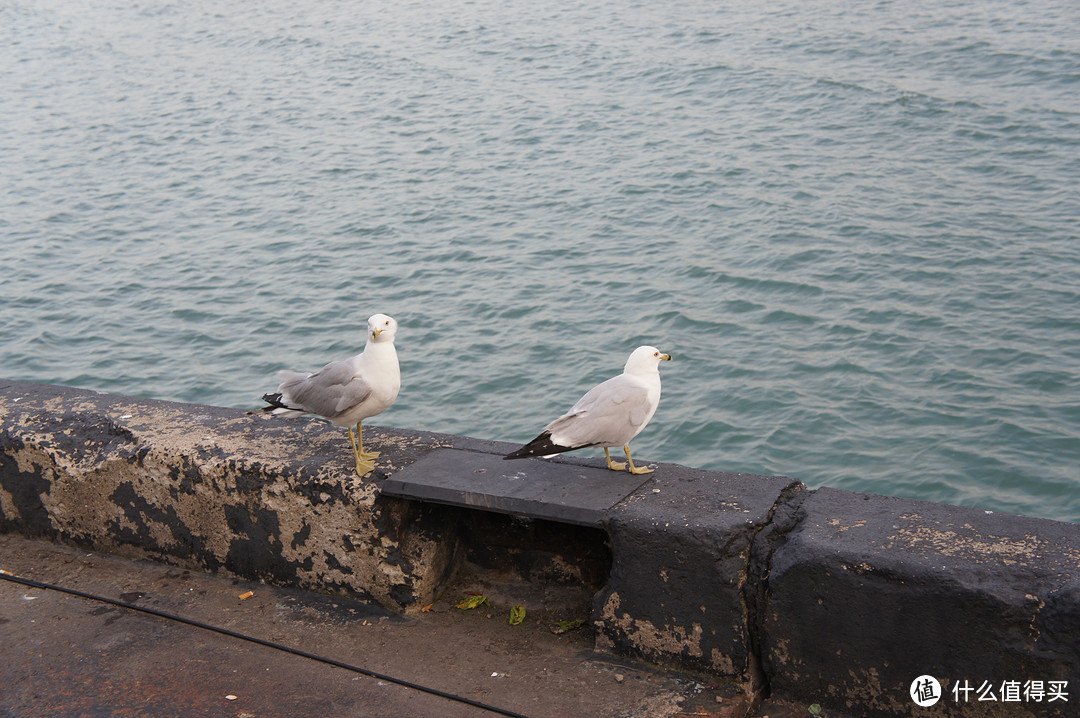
{"x": 782, "y": 519}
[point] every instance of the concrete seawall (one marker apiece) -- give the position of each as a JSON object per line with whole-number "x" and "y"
{"x": 826, "y": 597}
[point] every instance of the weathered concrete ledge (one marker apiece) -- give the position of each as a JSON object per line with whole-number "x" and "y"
{"x": 826, "y": 596}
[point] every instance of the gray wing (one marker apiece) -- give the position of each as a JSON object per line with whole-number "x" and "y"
{"x": 328, "y": 392}
{"x": 611, "y": 413}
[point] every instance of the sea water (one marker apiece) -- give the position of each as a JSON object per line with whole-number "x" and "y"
{"x": 853, "y": 224}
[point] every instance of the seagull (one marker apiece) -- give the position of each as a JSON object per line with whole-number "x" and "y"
{"x": 348, "y": 391}
{"x": 610, "y": 414}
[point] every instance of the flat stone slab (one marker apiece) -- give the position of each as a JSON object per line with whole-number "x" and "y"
{"x": 534, "y": 488}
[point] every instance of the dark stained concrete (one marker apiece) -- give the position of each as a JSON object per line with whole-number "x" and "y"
{"x": 866, "y": 592}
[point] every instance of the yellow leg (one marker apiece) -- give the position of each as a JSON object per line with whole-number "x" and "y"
{"x": 635, "y": 469}
{"x": 360, "y": 445}
{"x": 613, "y": 465}
{"x": 365, "y": 464}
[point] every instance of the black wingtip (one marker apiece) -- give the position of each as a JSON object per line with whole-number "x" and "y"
{"x": 274, "y": 402}
{"x": 540, "y": 446}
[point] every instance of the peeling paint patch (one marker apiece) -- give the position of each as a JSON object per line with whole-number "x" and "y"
{"x": 213, "y": 489}
{"x": 840, "y": 527}
{"x": 972, "y": 547}
{"x": 650, "y": 640}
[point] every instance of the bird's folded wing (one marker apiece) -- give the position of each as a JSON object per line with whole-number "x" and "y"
{"x": 330, "y": 391}
{"x": 610, "y": 413}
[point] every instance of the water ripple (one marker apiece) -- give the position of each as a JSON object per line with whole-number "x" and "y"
{"x": 853, "y": 226}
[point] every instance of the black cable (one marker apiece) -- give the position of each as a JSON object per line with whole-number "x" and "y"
{"x": 259, "y": 641}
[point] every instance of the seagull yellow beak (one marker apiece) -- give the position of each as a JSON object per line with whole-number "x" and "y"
{"x": 665, "y": 357}
{"x": 376, "y": 332}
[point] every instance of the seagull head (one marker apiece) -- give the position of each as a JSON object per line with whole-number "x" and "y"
{"x": 381, "y": 328}
{"x": 645, "y": 359}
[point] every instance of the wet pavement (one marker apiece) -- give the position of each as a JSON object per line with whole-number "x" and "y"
{"x": 217, "y": 646}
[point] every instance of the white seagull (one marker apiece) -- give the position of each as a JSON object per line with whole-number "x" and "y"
{"x": 348, "y": 391}
{"x": 610, "y": 414}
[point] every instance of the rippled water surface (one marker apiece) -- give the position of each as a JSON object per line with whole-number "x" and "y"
{"x": 854, "y": 225}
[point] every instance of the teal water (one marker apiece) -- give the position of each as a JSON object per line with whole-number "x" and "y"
{"x": 854, "y": 225}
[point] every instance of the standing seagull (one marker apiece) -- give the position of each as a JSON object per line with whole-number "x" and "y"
{"x": 610, "y": 414}
{"x": 348, "y": 391}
